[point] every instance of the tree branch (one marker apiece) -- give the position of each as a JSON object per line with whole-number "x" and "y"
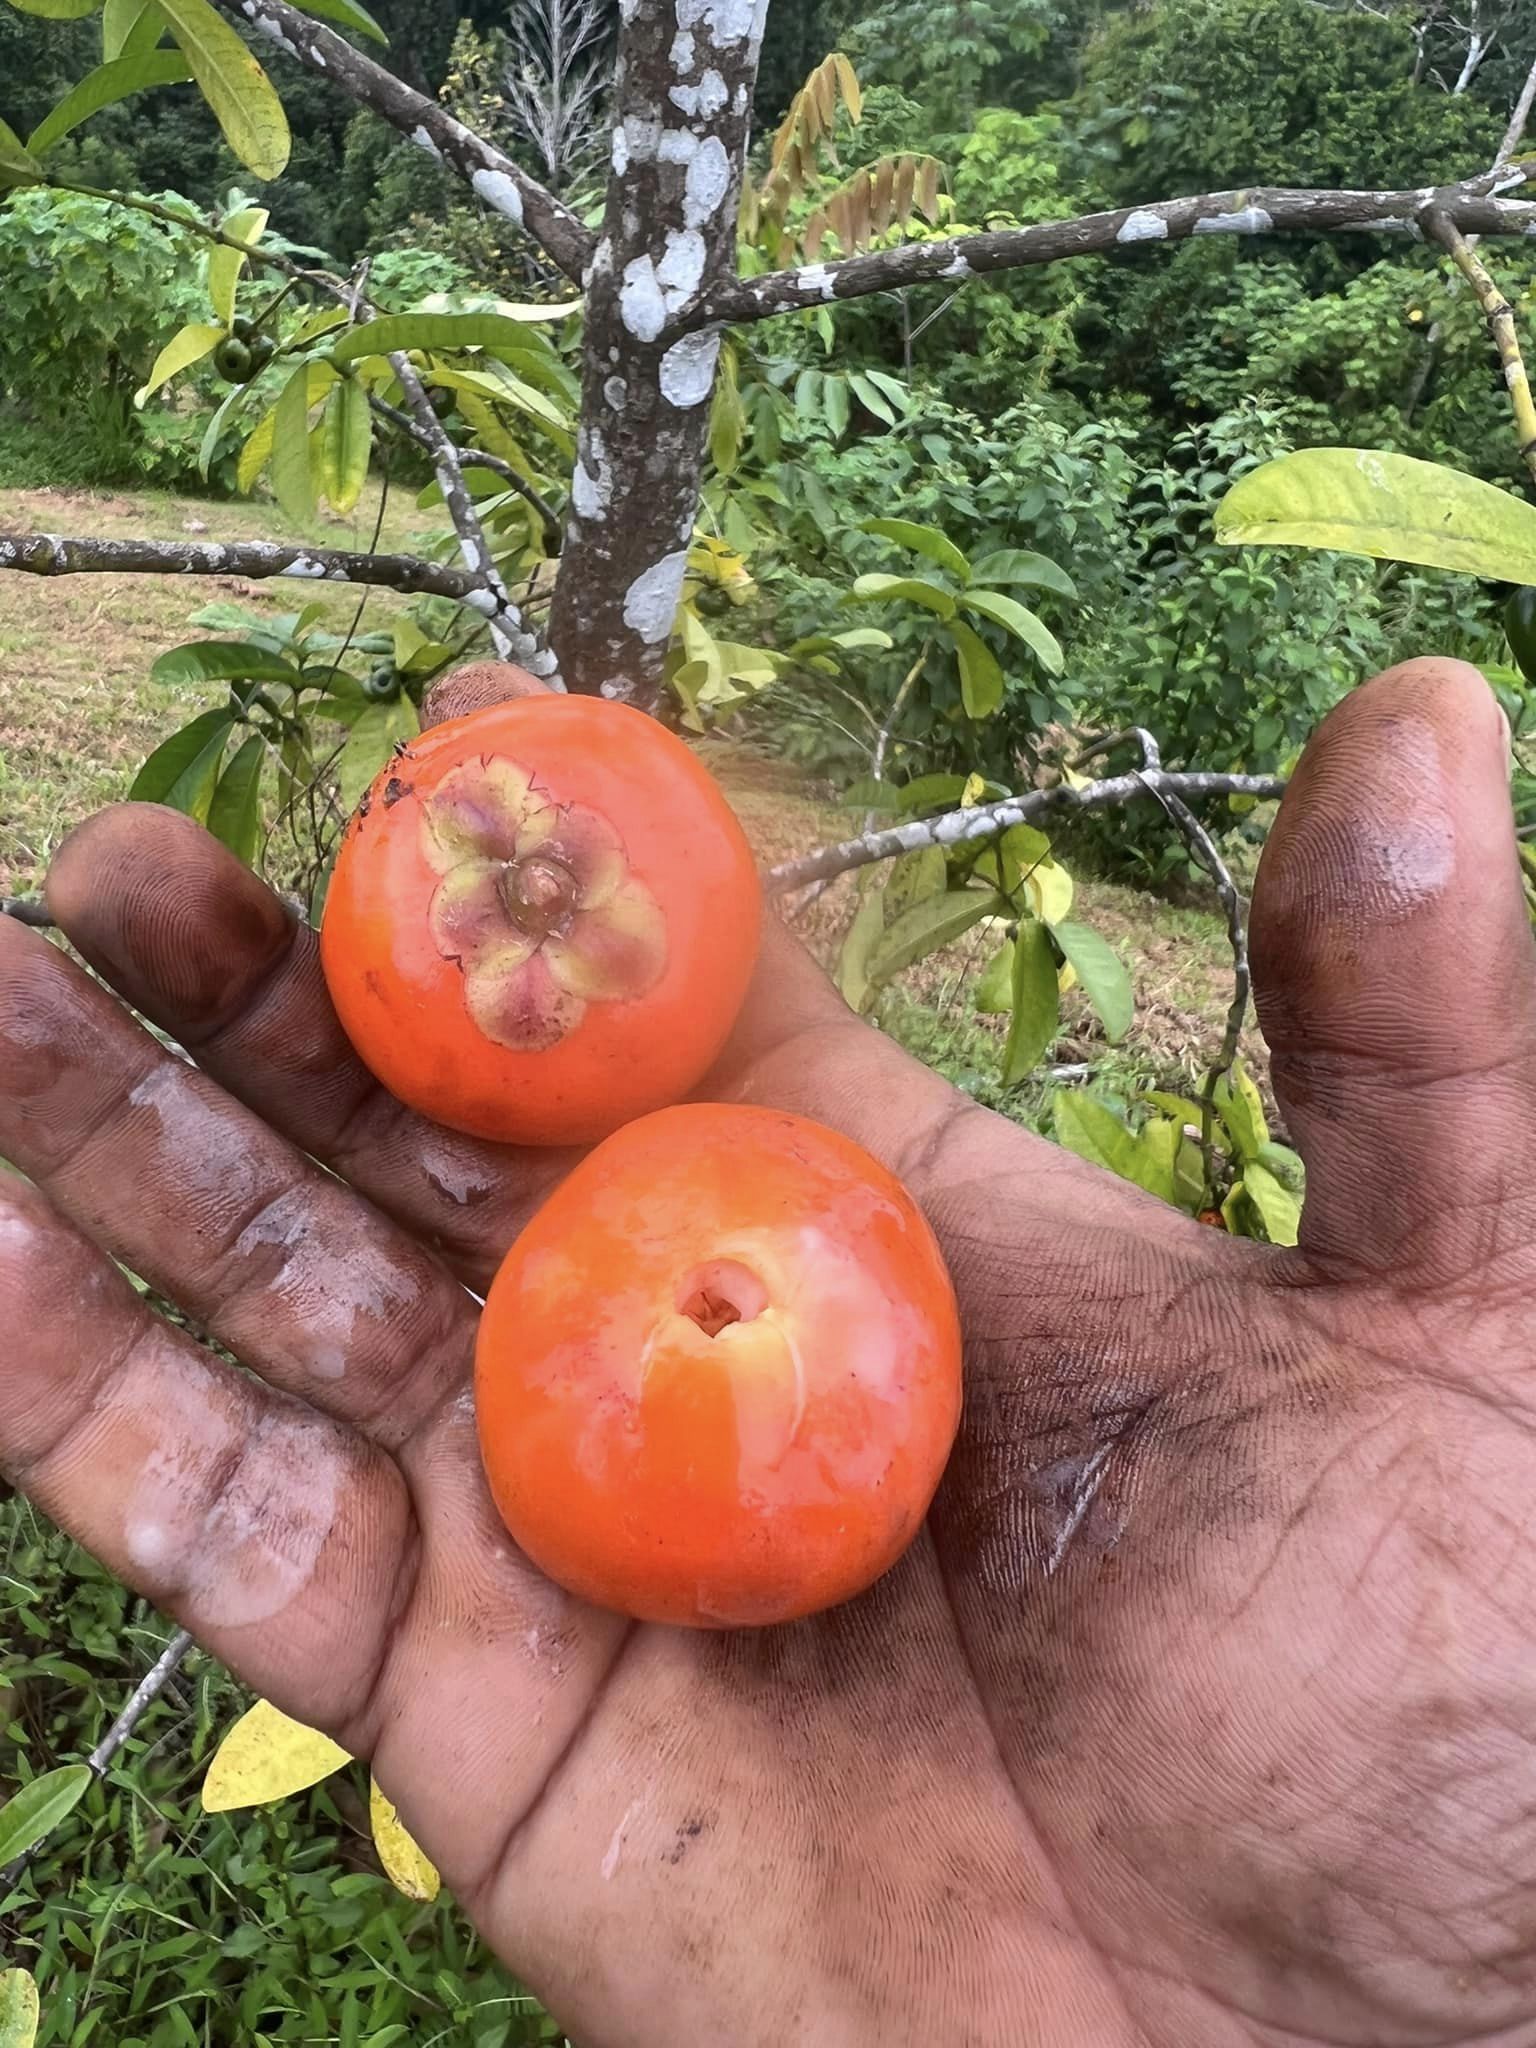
{"x": 478, "y": 458}
{"x": 988, "y": 821}
{"x": 143, "y": 1696}
{"x": 1518, "y": 118}
{"x": 510, "y": 634}
{"x": 1475, "y": 206}
{"x": 682, "y": 97}
{"x": 493, "y": 177}
{"x": 50, "y": 554}
{"x": 1500, "y": 315}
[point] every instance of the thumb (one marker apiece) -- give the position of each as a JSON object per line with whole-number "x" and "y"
{"x": 476, "y": 687}
{"x": 1394, "y": 965}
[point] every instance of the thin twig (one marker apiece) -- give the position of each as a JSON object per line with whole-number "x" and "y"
{"x": 479, "y": 458}
{"x": 987, "y": 821}
{"x": 1500, "y": 315}
{"x": 51, "y": 554}
{"x": 143, "y": 1696}
{"x": 1518, "y": 118}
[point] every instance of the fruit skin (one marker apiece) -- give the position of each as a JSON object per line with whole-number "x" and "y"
{"x": 1520, "y": 628}
{"x": 655, "y": 996}
{"x": 233, "y": 360}
{"x": 747, "y": 1478}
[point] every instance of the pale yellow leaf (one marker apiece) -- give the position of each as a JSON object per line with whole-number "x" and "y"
{"x": 407, "y": 1869}
{"x": 1051, "y": 886}
{"x": 18, "y": 2009}
{"x": 267, "y": 1756}
{"x": 187, "y": 346}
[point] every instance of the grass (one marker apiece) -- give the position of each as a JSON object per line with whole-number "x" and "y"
{"x": 149, "y": 1924}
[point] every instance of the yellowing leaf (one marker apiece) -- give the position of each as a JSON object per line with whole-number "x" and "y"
{"x": 346, "y": 436}
{"x": 406, "y": 1867}
{"x": 184, "y": 348}
{"x": 240, "y": 93}
{"x": 18, "y": 2009}
{"x": 1051, "y": 886}
{"x": 267, "y": 1756}
{"x": 225, "y": 264}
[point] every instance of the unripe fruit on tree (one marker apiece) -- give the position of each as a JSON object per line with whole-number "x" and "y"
{"x": 441, "y": 400}
{"x": 382, "y": 684}
{"x": 718, "y": 1375}
{"x": 243, "y": 327}
{"x": 233, "y": 360}
{"x": 542, "y": 921}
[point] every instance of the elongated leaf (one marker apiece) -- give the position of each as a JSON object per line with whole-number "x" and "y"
{"x": 247, "y": 109}
{"x": 58, "y": 10}
{"x": 193, "y": 789}
{"x": 871, "y": 396}
{"x": 981, "y": 673}
{"x": 862, "y": 937}
{"x": 914, "y": 877}
{"x": 370, "y": 744}
{"x": 213, "y": 661}
{"x": 225, "y": 264}
{"x": 393, "y": 331}
{"x": 257, "y": 452}
{"x": 1241, "y": 1108}
{"x": 189, "y": 345}
{"x": 1103, "y": 974}
{"x": 1021, "y": 622}
{"x": 345, "y": 440}
{"x": 834, "y": 406}
{"x": 1158, "y": 1147}
{"x": 936, "y": 921}
{"x": 19, "y": 2009}
{"x": 1036, "y": 1002}
{"x": 17, "y": 166}
{"x": 922, "y": 540}
{"x": 876, "y": 588}
{"x": 1051, "y": 886}
{"x": 937, "y": 792}
{"x": 348, "y": 14}
{"x": 130, "y": 28}
{"x": 171, "y": 759}
{"x": 1394, "y": 507}
{"x": 1091, "y": 1129}
{"x": 266, "y": 1756}
{"x": 37, "y": 1809}
{"x": 292, "y": 474}
{"x": 1279, "y": 1210}
{"x": 1286, "y": 1166}
{"x": 234, "y": 816}
{"x": 406, "y": 1867}
{"x": 994, "y": 985}
{"x": 231, "y": 402}
{"x": 501, "y": 389}
{"x": 1022, "y": 565}
{"x": 103, "y": 87}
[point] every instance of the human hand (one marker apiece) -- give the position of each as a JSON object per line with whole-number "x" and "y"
{"x": 1201, "y": 1714}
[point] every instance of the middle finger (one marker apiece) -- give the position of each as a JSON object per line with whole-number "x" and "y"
{"x": 294, "y": 1272}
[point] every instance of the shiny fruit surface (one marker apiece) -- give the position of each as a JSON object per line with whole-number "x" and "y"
{"x": 718, "y": 1374}
{"x": 542, "y": 921}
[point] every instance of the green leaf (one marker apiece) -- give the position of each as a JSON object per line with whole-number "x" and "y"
{"x": 1019, "y": 620}
{"x": 872, "y": 397}
{"x": 981, "y": 673}
{"x": 1182, "y": 1107}
{"x": 1157, "y": 1147}
{"x": 103, "y": 87}
{"x": 370, "y": 744}
{"x": 37, "y": 1809}
{"x": 862, "y": 936}
{"x": 58, "y": 10}
{"x": 225, "y": 264}
{"x": 875, "y": 588}
{"x": 834, "y": 406}
{"x": 346, "y": 436}
{"x": 248, "y": 111}
{"x": 189, "y": 345}
{"x": 16, "y": 166}
{"x": 914, "y": 877}
{"x": 1241, "y": 1108}
{"x": 1285, "y": 1165}
{"x": 1091, "y": 1129}
{"x": 936, "y": 921}
{"x": 193, "y": 789}
{"x": 292, "y": 476}
{"x": 19, "y": 2010}
{"x": 502, "y": 388}
{"x": 1394, "y": 507}
{"x": 172, "y": 757}
{"x": 1279, "y": 1210}
{"x": 216, "y": 661}
{"x": 1102, "y": 972}
{"x": 130, "y": 28}
{"x": 922, "y": 540}
{"x": 994, "y": 986}
{"x": 234, "y": 815}
{"x": 1036, "y": 1002}
{"x": 348, "y": 14}
{"x": 937, "y": 792}
{"x": 233, "y": 399}
{"x": 1021, "y": 565}
{"x": 393, "y": 331}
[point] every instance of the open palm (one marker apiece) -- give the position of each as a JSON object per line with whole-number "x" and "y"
{"x": 1202, "y": 1713}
